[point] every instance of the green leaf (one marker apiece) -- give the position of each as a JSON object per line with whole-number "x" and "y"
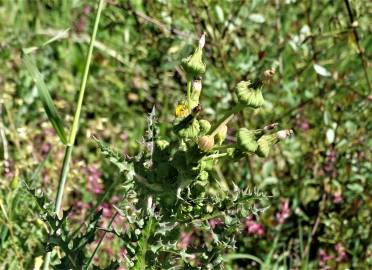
{"x": 46, "y": 99}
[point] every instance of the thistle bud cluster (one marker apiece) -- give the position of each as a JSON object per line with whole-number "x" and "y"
{"x": 211, "y": 138}
{"x": 178, "y": 185}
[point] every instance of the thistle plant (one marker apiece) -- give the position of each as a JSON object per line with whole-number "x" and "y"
{"x": 169, "y": 186}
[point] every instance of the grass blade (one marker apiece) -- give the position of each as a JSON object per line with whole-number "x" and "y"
{"x": 46, "y": 99}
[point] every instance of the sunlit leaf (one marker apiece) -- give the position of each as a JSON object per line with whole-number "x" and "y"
{"x": 322, "y": 71}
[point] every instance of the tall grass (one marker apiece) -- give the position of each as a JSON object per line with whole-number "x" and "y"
{"x": 56, "y": 121}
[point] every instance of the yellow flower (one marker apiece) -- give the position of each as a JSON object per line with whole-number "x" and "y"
{"x": 181, "y": 110}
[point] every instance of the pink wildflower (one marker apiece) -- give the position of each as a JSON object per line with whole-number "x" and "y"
{"x": 185, "y": 240}
{"x": 284, "y": 212}
{"x": 337, "y": 197}
{"x": 252, "y": 227}
{"x": 94, "y": 184}
{"x": 215, "y": 222}
{"x": 87, "y": 10}
{"x": 341, "y": 253}
{"x": 106, "y": 210}
{"x": 324, "y": 258}
{"x": 303, "y": 123}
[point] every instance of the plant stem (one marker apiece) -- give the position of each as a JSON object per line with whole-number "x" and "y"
{"x": 68, "y": 150}
{"x": 227, "y": 117}
{"x": 100, "y": 241}
{"x": 189, "y": 94}
{"x": 360, "y": 49}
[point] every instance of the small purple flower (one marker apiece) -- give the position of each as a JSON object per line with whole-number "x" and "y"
{"x": 303, "y": 123}
{"x": 87, "y": 10}
{"x": 252, "y": 227}
{"x": 284, "y": 212}
{"x": 94, "y": 181}
{"x": 324, "y": 258}
{"x": 80, "y": 25}
{"x": 8, "y": 164}
{"x": 185, "y": 240}
{"x": 330, "y": 162}
{"x": 337, "y": 197}
{"x": 341, "y": 253}
{"x": 45, "y": 148}
{"x": 106, "y": 210}
{"x": 123, "y": 253}
{"x": 215, "y": 222}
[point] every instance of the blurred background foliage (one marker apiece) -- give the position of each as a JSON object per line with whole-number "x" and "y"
{"x": 321, "y": 51}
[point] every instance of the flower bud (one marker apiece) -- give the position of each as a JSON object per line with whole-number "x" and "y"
{"x": 267, "y": 141}
{"x": 221, "y": 134}
{"x": 247, "y": 140}
{"x": 206, "y": 143}
{"x": 196, "y": 88}
{"x": 205, "y": 126}
{"x": 190, "y": 131}
{"x": 193, "y": 65}
{"x": 250, "y": 94}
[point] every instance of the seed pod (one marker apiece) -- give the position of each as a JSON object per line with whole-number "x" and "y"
{"x": 205, "y": 126}
{"x": 266, "y": 142}
{"x": 221, "y": 134}
{"x": 193, "y": 65}
{"x": 250, "y": 94}
{"x": 206, "y": 143}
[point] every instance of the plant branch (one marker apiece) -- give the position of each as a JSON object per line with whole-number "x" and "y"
{"x": 357, "y": 40}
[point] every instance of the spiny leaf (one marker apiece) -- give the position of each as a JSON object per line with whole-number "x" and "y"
{"x": 46, "y": 99}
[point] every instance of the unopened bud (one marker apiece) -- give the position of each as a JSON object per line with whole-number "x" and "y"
{"x": 247, "y": 140}
{"x": 249, "y": 95}
{"x": 206, "y": 143}
{"x": 193, "y": 65}
{"x": 266, "y": 142}
{"x": 205, "y": 126}
{"x": 221, "y": 134}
